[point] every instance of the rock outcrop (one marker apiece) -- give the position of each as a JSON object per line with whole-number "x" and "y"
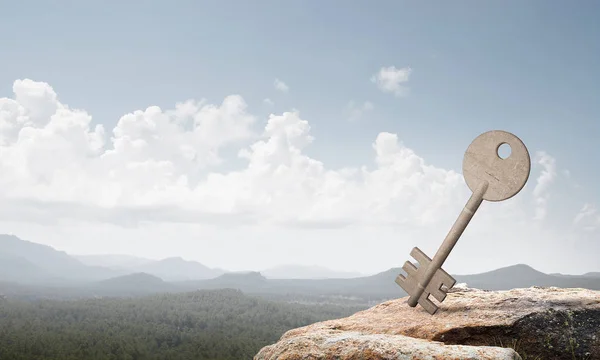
{"x": 539, "y": 323}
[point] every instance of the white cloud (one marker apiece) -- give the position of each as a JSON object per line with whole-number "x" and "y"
{"x": 588, "y": 218}
{"x": 281, "y": 86}
{"x": 156, "y": 185}
{"x": 268, "y": 102}
{"x": 354, "y": 112}
{"x": 541, "y": 191}
{"x": 151, "y": 155}
{"x": 391, "y": 80}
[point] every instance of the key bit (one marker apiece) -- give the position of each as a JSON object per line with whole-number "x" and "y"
{"x": 434, "y": 288}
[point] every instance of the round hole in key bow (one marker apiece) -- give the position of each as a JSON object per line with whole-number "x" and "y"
{"x": 503, "y": 151}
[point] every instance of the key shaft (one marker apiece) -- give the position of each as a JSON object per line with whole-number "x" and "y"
{"x": 449, "y": 242}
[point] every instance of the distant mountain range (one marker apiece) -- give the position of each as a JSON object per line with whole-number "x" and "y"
{"x": 306, "y": 272}
{"x": 29, "y": 262}
{"x": 31, "y": 270}
{"x": 169, "y": 269}
{"x": 113, "y": 261}
{"x": 178, "y": 269}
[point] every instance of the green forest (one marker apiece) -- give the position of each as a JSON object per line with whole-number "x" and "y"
{"x": 217, "y": 324}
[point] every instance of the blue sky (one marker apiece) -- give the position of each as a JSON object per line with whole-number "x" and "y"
{"x": 526, "y": 66}
{"x": 529, "y": 67}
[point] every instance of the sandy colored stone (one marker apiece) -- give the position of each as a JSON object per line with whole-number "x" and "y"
{"x": 332, "y": 344}
{"x": 550, "y": 323}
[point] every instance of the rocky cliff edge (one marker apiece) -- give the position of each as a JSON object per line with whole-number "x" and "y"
{"x": 533, "y": 323}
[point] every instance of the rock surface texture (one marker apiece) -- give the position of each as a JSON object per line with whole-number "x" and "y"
{"x": 540, "y": 323}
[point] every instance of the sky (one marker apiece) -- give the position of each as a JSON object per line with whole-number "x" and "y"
{"x": 246, "y": 135}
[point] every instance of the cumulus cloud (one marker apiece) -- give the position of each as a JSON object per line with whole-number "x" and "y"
{"x": 281, "y": 86}
{"x": 356, "y": 111}
{"x": 157, "y": 158}
{"x": 161, "y": 159}
{"x": 173, "y": 166}
{"x": 392, "y": 80}
{"x": 51, "y": 152}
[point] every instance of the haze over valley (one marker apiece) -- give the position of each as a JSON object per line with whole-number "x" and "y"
{"x": 117, "y": 301}
{"x": 30, "y": 270}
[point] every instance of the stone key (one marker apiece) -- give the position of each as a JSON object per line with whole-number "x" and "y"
{"x": 490, "y": 178}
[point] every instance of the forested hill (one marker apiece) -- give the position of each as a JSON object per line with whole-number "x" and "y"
{"x": 208, "y": 324}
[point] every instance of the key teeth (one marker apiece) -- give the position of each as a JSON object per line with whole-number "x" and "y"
{"x": 420, "y": 256}
{"x": 407, "y": 282}
{"x": 442, "y": 297}
{"x": 404, "y": 283}
{"x": 410, "y": 268}
{"x": 414, "y": 252}
{"x": 428, "y": 305}
{"x": 440, "y": 278}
